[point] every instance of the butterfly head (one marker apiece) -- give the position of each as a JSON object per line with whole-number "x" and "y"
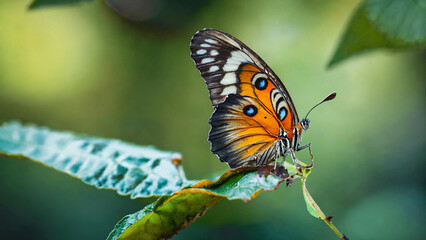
{"x": 304, "y": 124}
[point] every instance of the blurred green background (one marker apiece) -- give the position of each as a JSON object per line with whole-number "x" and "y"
{"x": 87, "y": 69}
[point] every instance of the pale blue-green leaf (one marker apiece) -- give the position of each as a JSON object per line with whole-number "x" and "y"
{"x": 105, "y": 163}
{"x": 245, "y": 186}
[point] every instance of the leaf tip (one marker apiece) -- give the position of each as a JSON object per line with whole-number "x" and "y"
{"x": 34, "y": 5}
{"x": 331, "y": 63}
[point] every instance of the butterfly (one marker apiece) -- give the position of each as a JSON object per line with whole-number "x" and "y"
{"x": 254, "y": 120}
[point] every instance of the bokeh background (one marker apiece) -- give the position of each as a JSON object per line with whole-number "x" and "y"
{"x": 87, "y": 69}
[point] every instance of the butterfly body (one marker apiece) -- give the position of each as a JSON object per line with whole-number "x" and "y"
{"x": 255, "y": 120}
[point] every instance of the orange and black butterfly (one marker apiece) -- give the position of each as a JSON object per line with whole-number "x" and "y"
{"x": 255, "y": 120}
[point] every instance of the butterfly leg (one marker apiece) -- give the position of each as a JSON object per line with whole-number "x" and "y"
{"x": 312, "y": 156}
{"x": 303, "y": 147}
{"x": 296, "y": 160}
{"x": 279, "y": 164}
{"x": 310, "y": 153}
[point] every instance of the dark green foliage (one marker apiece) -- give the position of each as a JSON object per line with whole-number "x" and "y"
{"x": 388, "y": 24}
{"x": 45, "y": 3}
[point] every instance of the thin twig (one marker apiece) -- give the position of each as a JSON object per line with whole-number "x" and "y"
{"x": 318, "y": 213}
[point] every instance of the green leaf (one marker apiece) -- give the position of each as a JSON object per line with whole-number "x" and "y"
{"x": 242, "y": 183}
{"x": 46, "y": 3}
{"x": 128, "y": 221}
{"x": 172, "y": 213}
{"x": 402, "y": 21}
{"x": 312, "y": 207}
{"x": 167, "y": 219}
{"x": 105, "y": 163}
{"x": 387, "y": 24}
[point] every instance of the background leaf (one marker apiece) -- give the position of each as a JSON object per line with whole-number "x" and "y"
{"x": 171, "y": 214}
{"x": 113, "y": 164}
{"x": 156, "y": 13}
{"x": 402, "y": 21}
{"x": 46, "y": 3}
{"x": 390, "y": 24}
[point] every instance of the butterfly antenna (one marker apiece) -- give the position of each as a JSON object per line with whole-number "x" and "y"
{"x": 331, "y": 96}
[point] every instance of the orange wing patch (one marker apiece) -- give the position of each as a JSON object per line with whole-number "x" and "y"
{"x": 243, "y": 132}
{"x": 246, "y": 75}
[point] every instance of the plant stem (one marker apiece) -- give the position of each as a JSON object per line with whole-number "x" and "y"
{"x": 315, "y": 210}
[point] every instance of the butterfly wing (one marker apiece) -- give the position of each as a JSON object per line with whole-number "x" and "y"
{"x": 237, "y": 78}
{"x": 240, "y": 135}
{"x": 226, "y": 65}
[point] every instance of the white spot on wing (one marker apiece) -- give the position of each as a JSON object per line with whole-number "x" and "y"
{"x": 214, "y": 52}
{"x": 228, "y": 90}
{"x": 205, "y": 45}
{"x": 241, "y": 56}
{"x": 201, "y": 51}
{"x": 207, "y": 60}
{"x": 233, "y": 62}
{"x": 211, "y": 41}
{"x": 229, "y": 78}
{"x": 213, "y": 68}
{"x": 230, "y": 67}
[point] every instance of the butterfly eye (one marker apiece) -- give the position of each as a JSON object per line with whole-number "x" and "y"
{"x": 261, "y": 83}
{"x": 282, "y": 113}
{"x": 250, "y": 110}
